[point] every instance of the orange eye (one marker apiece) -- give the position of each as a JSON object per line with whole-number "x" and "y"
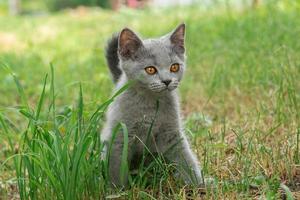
{"x": 174, "y": 67}
{"x": 151, "y": 70}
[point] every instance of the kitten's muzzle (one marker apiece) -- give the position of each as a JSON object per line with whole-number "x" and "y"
{"x": 167, "y": 82}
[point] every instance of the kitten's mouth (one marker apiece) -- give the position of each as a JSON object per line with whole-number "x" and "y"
{"x": 166, "y": 89}
{"x": 162, "y": 88}
{"x": 158, "y": 90}
{"x": 171, "y": 89}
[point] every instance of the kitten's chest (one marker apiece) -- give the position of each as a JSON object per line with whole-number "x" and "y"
{"x": 143, "y": 115}
{"x": 153, "y": 120}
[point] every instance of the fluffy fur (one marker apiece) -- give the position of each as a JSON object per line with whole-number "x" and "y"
{"x": 127, "y": 57}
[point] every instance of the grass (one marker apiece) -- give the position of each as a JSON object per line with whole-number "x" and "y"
{"x": 240, "y": 100}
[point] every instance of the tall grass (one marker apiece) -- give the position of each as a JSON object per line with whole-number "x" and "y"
{"x": 59, "y": 154}
{"x": 240, "y": 96}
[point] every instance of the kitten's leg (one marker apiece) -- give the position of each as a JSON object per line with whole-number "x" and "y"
{"x": 180, "y": 153}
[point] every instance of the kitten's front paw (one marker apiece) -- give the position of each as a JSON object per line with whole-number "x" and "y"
{"x": 204, "y": 182}
{"x": 209, "y": 182}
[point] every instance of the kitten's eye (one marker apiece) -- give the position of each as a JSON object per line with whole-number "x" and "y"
{"x": 150, "y": 70}
{"x": 174, "y": 67}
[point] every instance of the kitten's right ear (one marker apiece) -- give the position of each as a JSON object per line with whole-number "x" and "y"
{"x": 129, "y": 43}
{"x": 177, "y": 38}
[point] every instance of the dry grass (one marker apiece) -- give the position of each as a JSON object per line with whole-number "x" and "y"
{"x": 240, "y": 96}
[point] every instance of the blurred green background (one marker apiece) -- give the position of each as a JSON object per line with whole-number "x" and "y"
{"x": 243, "y": 74}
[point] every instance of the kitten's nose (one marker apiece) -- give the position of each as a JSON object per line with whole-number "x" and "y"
{"x": 167, "y": 82}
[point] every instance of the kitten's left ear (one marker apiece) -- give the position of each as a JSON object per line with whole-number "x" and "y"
{"x": 177, "y": 38}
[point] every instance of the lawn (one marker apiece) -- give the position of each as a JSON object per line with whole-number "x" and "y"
{"x": 240, "y": 101}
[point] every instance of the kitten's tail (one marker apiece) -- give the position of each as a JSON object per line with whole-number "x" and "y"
{"x": 112, "y": 58}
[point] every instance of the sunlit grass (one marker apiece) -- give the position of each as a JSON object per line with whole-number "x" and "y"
{"x": 240, "y": 96}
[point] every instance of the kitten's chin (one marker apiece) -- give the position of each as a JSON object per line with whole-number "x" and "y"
{"x": 171, "y": 88}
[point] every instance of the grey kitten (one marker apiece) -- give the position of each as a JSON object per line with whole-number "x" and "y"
{"x": 156, "y": 66}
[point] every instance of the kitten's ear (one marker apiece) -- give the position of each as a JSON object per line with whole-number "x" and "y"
{"x": 177, "y": 38}
{"x": 129, "y": 43}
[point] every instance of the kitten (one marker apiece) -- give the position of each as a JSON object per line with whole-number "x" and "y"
{"x": 156, "y": 66}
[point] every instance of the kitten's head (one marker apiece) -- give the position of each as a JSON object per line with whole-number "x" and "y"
{"x": 155, "y": 64}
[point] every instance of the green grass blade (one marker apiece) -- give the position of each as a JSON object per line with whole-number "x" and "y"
{"x": 52, "y": 96}
{"x": 288, "y": 193}
{"x": 19, "y": 86}
{"x": 41, "y": 100}
{"x": 124, "y": 159}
